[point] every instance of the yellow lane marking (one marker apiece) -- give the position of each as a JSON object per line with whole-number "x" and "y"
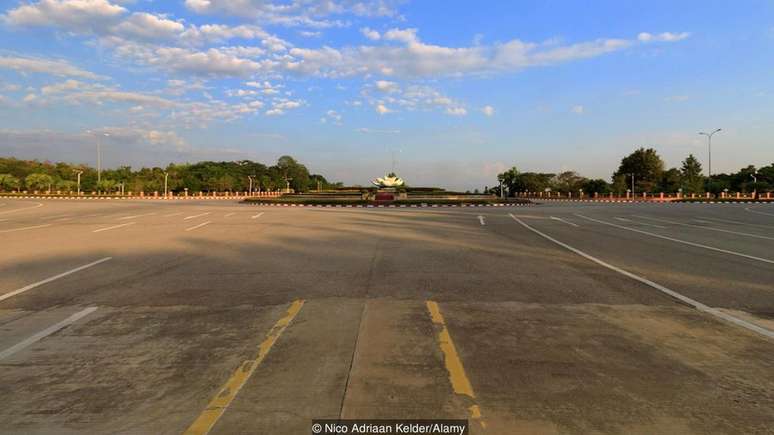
{"x": 459, "y": 380}
{"x": 218, "y": 405}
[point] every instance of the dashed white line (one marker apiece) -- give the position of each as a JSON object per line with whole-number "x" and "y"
{"x": 135, "y": 216}
{"x": 25, "y": 228}
{"x": 758, "y": 212}
{"x": 720, "y": 230}
{"x": 173, "y": 214}
{"x": 113, "y": 227}
{"x": 481, "y": 220}
{"x": 695, "y": 304}
{"x": 196, "y": 216}
{"x": 40, "y": 204}
{"x": 198, "y": 226}
{"x": 53, "y": 278}
{"x": 46, "y": 332}
{"x": 672, "y": 239}
{"x": 564, "y": 221}
{"x": 229, "y": 215}
{"x": 257, "y": 215}
{"x": 733, "y": 222}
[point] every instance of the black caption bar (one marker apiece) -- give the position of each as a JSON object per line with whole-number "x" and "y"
{"x": 375, "y": 427}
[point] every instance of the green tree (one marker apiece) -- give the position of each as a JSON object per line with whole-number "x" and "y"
{"x": 647, "y": 167}
{"x": 690, "y": 172}
{"x": 39, "y": 181}
{"x": 671, "y": 180}
{"x": 9, "y": 182}
{"x": 568, "y": 181}
{"x": 598, "y": 185}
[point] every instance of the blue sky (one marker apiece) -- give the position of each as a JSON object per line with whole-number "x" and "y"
{"x": 457, "y": 90}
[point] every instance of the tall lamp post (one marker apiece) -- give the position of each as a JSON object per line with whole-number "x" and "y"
{"x": 99, "y": 152}
{"x": 166, "y": 191}
{"x": 78, "y": 174}
{"x": 250, "y": 190}
{"x": 709, "y": 150}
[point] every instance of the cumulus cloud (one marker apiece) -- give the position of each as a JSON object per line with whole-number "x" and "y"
{"x": 371, "y": 34}
{"x": 488, "y": 110}
{"x": 48, "y": 66}
{"x": 69, "y": 14}
{"x": 382, "y": 109}
{"x": 297, "y": 12}
{"x": 578, "y": 110}
{"x": 148, "y": 26}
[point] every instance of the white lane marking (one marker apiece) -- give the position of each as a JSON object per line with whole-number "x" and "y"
{"x": 229, "y": 215}
{"x": 198, "y": 226}
{"x": 256, "y": 216}
{"x": 135, "y": 216}
{"x": 481, "y": 220}
{"x": 25, "y": 228}
{"x": 53, "y": 278}
{"x": 564, "y": 221}
{"x": 701, "y": 221}
{"x": 57, "y": 216}
{"x": 173, "y": 214}
{"x": 113, "y": 227}
{"x": 685, "y": 242}
{"x": 196, "y": 216}
{"x": 695, "y": 304}
{"x": 39, "y": 204}
{"x": 640, "y": 223}
{"x": 46, "y": 332}
{"x": 758, "y": 212}
{"x": 3, "y": 220}
{"x": 734, "y": 222}
{"x": 720, "y": 230}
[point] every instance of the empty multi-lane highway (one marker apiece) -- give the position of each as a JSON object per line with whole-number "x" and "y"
{"x": 197, "y": 316}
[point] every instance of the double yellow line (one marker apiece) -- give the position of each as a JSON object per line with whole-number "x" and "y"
{"x": 218, "y": 405}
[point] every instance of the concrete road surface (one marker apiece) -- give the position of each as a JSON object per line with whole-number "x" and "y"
{"x": 153, "y": 317}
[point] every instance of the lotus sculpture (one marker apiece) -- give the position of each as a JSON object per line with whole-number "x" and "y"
{"x": 389, "y": 180}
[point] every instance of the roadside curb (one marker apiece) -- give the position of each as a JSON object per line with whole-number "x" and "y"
{"x": 625, "y": 201}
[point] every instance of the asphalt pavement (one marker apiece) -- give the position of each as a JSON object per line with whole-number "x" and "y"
{"x": 156, "y": 317}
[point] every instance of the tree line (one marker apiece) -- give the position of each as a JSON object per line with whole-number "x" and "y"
{"x": 643, "y": 171}
{"x": 44, "y": 176}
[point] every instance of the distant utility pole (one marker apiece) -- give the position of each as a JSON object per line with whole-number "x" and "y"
{"x": 78, "y": 173}
{"x": 632, "y": 174}
{"x": 709, "y": 150}
{"x": 250, "y": 189}
{"x": 166, "y": 176}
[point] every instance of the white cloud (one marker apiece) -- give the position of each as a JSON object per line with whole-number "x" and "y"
{"x": 75, "y": 15}
{"x": 371, "y": 34}
{"x": 662, "y": 37}
{"x": 48, "y": 66}
{"x": 456, "y": 111}
{"x": 382, "y": 109}
{"x": 488, "y": 110}
{"x": 332, "y": 116}
{"x": 148, "y": 26}
{"x": 387, "y": 86}
{"x": 366, "y": 130}
{"x": 295, "y": 13}
{"x": 407, "y": 36}
{"x": 578, "y": 110}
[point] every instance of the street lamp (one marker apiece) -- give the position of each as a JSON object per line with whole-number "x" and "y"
{"x": 166, "y": 177}
{"x": 709, "y": 150}
{"x": 250, "y": 190}
{"x": 755, "y": 184}
{"x": 99, "y": 153}
{"x": 78, "y": 173}
{"x": 632, "y": 174}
